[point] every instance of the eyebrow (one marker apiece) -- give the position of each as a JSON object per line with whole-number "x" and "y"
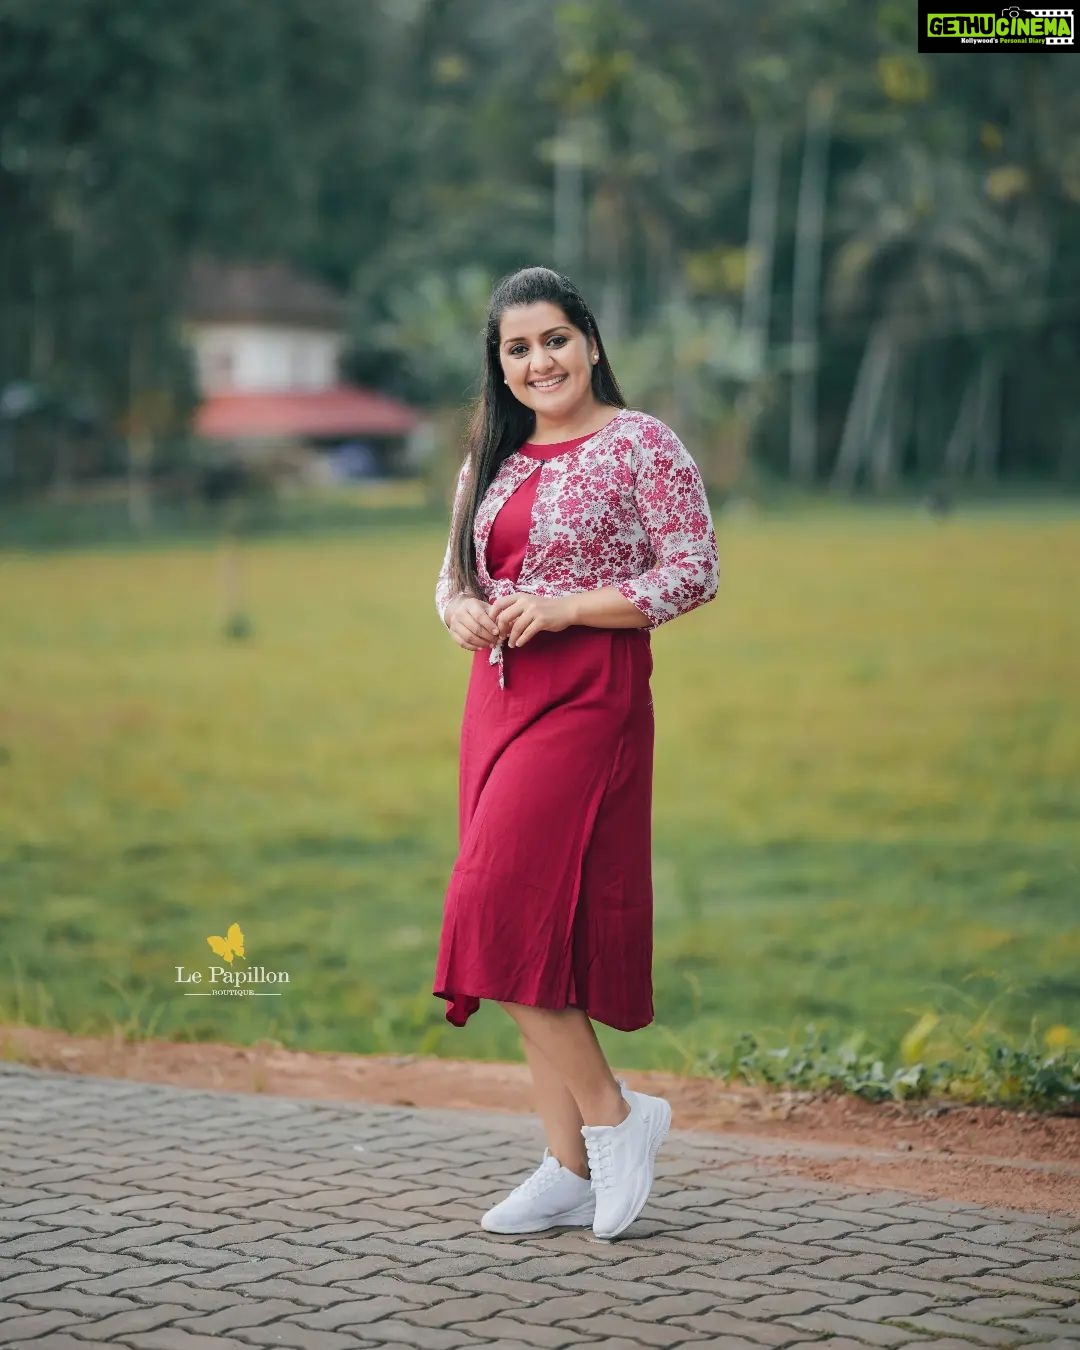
{"x": 546, "y": 331}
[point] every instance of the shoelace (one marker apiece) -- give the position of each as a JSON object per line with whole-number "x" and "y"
{"x": 540, "y": 1180}
{"x": 601, "y": 1160}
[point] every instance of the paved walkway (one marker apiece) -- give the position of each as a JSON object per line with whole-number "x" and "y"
{"x": 159, "y": 1218}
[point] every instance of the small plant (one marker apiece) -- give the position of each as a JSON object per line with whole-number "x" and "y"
{"x": 1041, "y": 1073}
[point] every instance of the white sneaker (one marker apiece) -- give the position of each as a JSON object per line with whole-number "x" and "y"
{"x": 622, "y": 1158}
{"x": 552, "y": 1197}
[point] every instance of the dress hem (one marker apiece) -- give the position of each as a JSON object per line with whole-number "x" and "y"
{"x": 453, "y": 1000}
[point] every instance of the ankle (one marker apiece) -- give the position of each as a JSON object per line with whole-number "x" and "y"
{"x": 579, "y": 1167}
{"x": 611, "y": 1111}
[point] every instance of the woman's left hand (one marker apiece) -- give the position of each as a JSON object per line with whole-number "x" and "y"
{"x": 520, "y": 615}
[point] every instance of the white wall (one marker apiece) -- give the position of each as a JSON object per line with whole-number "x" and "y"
{"x": 252, "y": 357}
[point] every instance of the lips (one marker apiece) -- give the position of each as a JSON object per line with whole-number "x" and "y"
{"x": 544, "y": 385}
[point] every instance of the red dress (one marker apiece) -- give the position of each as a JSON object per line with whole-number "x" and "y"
{"x": 550, "y": 900}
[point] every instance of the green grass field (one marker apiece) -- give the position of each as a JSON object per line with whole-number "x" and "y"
{"x": 867, "y": 791}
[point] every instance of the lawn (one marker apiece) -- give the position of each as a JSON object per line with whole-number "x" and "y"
{"x": 867, "y": 790}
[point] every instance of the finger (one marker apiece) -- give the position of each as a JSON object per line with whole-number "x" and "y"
{"x": 462, "y": 631}
{"x": 521, "y": 628}
{"x": 476, "y": 628}
{"x": 480, "y": 613}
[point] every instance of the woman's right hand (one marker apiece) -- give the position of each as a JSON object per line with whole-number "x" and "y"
{"x": 470, "y": 624}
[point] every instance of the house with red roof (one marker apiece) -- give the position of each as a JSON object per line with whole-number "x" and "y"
{"x": 267, "y": 344}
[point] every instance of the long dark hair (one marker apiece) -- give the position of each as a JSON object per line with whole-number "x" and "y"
{"x": 499, "y": 424}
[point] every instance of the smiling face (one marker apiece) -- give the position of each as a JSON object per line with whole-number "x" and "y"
{"x": 547, "y": 362}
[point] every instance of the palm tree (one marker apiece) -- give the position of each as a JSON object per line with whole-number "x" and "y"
{"x": 926, "y": 254}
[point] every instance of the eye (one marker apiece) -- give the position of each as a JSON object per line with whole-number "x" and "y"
{"x": 560, "y": 338}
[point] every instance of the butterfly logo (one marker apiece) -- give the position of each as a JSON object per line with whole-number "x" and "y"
{"x": 232, "y": 944}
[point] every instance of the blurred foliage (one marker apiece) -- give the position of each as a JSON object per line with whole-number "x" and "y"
{"x": 1042, "y": 1072}
{"x": 410, "y": 151}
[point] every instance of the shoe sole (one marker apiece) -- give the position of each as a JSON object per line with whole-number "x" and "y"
{"x": 581, "y": 1217}
{"x": 656, "y": 1138}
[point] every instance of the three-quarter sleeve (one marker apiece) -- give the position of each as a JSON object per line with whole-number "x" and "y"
{"x": 670, "y": 498}
{"x": 443, "y": 594}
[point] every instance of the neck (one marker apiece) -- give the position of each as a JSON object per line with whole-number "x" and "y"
{"x": 579, "y": 422}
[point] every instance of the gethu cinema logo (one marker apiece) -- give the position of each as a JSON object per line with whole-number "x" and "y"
{"x": 1032, "y": 25}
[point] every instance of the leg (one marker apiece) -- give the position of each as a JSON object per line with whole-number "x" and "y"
{"x": 567, "y": 1040}
{"x": 557, "y": 1109}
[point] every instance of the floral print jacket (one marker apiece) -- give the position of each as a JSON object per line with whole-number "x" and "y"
{"x": 626, "y": 508}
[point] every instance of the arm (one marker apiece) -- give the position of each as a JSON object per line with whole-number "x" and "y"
{"x": 605, "y": 608}
{"x": 443, "y": 595}
{"x": 670, "y": 498}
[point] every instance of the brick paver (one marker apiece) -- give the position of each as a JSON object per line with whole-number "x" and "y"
{"x": 158, "y": 1218}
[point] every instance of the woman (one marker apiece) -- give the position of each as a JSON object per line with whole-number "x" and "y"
{"x": 579, "y": 525}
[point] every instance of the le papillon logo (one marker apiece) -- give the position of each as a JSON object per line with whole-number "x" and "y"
{"x": 232, "y": 944}
{"x": 227, "y": 979}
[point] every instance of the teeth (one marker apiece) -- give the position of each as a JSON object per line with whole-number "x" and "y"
{"x": 548, "y": 384}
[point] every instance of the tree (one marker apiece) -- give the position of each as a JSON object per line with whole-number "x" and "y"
{"x": 925, "y": 255}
